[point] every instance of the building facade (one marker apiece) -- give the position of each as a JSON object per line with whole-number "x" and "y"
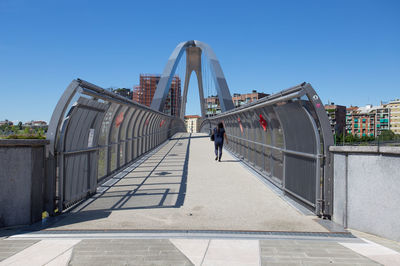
{"x": 337, "y": 118}
{"x": 192, "y": 123}
{"x": 6, "y": 122}
{"x": 36, "y": 124}
{"x": 124, "y": 92}
{"x": 367, "y": 121}
{"x": 349, "y": 119}
{"x": 242, "y": 99}
{"x": 144, "y": 93}
{"x": 394, "y": 117}
{"x": 213, "y": 106}
{"x": 363, "y": 123}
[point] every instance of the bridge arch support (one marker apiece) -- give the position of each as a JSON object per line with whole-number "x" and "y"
{"x": 164, "y": 84}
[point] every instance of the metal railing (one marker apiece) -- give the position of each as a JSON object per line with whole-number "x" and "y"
{"x": 285, "y": 137}
{"x": 94, "y": 133}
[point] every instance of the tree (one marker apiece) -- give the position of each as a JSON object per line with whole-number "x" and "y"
{"x": 387, "y": 135}
{"x": 20, "y": 125}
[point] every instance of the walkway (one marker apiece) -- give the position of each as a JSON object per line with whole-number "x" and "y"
{"x": 182, "y": 187}
{"x": 178, "y": 206}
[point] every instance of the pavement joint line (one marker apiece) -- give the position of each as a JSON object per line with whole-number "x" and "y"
{"x": 205, "y": 253}
{"x": 128, "y": 234}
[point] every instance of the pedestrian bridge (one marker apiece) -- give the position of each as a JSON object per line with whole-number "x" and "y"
{"x": 179, "y": 186}
{"x": 94, "y": 134}
{"x": 130, "y": 157}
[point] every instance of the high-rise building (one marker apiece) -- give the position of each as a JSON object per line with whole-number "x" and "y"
{"x": 144, "y": 93}
{"x": 394, "y": 118}
{"x": 337, "y": 117}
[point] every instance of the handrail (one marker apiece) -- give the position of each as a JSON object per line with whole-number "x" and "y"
{"x": 299, "y": 153}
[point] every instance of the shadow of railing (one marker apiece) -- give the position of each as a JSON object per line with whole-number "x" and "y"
{"x": 161, "y": 186}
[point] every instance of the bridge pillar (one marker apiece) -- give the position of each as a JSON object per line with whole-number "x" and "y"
{"x": 193, "y": 63}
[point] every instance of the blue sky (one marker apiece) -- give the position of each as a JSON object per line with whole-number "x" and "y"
{"x": 348, "y": 50}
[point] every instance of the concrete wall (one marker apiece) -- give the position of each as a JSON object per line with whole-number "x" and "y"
{"x": 367, "y": 189}
{"x": 22, "y": 176}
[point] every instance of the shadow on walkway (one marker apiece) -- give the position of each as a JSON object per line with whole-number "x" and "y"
{"x": 155, "y": 184}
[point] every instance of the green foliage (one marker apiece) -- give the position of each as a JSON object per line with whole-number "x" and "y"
{"x": 21, "y": 132}
{"x": 387, "y": 135}
{"x": 25, "y": 137}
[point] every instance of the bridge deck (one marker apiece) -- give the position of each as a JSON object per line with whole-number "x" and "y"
{"x": 182, "y": 187}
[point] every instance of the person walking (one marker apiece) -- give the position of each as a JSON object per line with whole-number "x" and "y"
{"x": 219, "y": 136}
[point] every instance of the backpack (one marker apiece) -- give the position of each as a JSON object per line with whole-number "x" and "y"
{"x": 212, "y": 137}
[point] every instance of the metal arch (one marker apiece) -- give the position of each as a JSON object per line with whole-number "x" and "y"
{"x": 142, "y": 133}
{"x": 158, "y": 134}
{"x": 58, "y": 114}
{"x": 135, "y": 134}
{"x": 149, "y": 131}
{"x": 127, "y": 138}
{"x": 224, "y": 94}
{"x": 132, "y": 133}
{"x": 110, "y": 142}
{"x": 164, "y": 84}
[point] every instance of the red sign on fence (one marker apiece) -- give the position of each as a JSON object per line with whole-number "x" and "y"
{"x": 263, "y": 122}
{"x": 119, "y": 120}
{"x": 240, "y": 125}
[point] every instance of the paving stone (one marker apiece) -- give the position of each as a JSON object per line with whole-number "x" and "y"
{"x": 9, "y": 248}
{"x": 128, "y": 252}
{"x": 308, "y": 252}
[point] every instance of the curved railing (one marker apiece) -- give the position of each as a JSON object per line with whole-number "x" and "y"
{"x": 94, "y": 133}
{"x": 285, "y": 137}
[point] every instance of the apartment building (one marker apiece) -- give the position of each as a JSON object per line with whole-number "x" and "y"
{"x": 192, "y": 123}
{"x": 394, "y": 117}
{"x": 337, "y": 117}
{"x": 144, "y": 93}
{"x": 367, "y": 121}
{"x": 213, "y": 107}
{"x": 242, "y": 99}
{"x": 349, "y": 119}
